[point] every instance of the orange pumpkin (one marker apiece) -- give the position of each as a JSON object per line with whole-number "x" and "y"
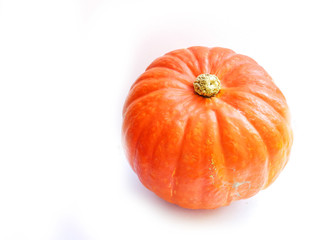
{"x": 205, "y": 126}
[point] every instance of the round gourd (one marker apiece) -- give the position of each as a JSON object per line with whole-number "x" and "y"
{"x": 203, "y": 127}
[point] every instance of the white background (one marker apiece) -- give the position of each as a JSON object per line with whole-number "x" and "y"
{"x": 65, "y": 69}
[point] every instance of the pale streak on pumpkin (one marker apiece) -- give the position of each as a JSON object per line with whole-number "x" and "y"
{"x": 213, "y": 170}
{"x": 171, "y": 183}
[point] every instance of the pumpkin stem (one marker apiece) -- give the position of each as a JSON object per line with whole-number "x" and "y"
{"x": 207, "y": 85}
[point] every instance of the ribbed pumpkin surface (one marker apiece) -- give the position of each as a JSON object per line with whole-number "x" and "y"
{"x": 200, "y": 152}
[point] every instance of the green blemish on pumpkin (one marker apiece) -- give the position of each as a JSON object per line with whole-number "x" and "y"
{"x": 212, "y": 177}
{"x": 237, "y": 184}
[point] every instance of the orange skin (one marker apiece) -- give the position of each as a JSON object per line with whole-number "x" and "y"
{"x": 199, "y": 152}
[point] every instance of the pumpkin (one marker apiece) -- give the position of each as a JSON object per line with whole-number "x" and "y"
{"x": 203, "y": 127}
